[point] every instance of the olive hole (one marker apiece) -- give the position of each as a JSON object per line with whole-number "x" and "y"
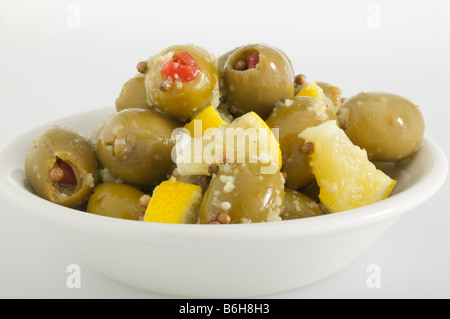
{"x": 63, "y": 175}
{"x": 246, "y": 60}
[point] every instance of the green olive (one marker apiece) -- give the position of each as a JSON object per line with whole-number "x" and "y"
{"x": 299, "y": 205}
{"x": 311, "y": 190}
{"x": 389, "y": 127}
{"x": 291, "y": 118}
{"x": 135, "y": 146}
{"x": 132, "y": 95}
{"x": 247, "y": 195}
{"x": 222, "y": 59}
{"x": 116, "y": 200}
{"x": 255, "y": 78}
{"x": 61, "y": 166}
{"x": 176, "y": 97}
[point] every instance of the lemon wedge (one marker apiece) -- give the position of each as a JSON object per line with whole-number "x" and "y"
{"x": 268, "y": 151}
{"x": 174, "y": 202}
{"x": 346, "y": 178}
{"x": 209, "y": 118}
{"x": 247, "y": 139}
{"x": 312, "y": 89}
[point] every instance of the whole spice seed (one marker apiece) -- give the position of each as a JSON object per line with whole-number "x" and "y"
{"x": 144, "y": 200}
{"x": 56, "y": 174}
{"x": 224, "y": 218}
{"x": 166, "y": 84}
{"x": 300, "y": 79}
{"x": 217, "y": 218}
{"x": 142, "y": 67}
{"x": 239, "y": 65}
{"x": 308, "y": 148}
{"x": 213, "y": 169}
{"x": 212, "y": 218}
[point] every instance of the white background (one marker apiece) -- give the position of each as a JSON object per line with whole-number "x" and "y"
{"x": 62, "y": 57}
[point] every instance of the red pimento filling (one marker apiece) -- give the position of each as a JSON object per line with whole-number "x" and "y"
{"x": 182, "y": 67}
{"x": 64, "y": 175}
{"x": 252, "y": 61}
{"x": 247, "y": 63}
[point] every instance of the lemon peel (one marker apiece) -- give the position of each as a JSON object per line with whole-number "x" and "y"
{"x": 209, "y": 118}
{"x": 174, "y": 202}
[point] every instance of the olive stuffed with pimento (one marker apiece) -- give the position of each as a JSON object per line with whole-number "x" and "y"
{"x": 181, "y": 80}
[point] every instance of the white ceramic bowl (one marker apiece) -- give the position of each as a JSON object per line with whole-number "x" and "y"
{"x": 220, "y": 261}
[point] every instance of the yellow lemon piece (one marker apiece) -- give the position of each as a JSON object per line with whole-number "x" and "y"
{"x": 312, "y": 89}
{"x": 210, "y": 117}
{"x": 248, "y": 139}
{"x": 347, "y": 179}
{"x": 267, "y": 151}
{"x": 174, "y": 202}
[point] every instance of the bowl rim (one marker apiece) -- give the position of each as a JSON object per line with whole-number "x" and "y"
{"x": 378, "y": 212}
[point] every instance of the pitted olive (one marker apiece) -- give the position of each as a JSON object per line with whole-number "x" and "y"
{"x": 182, "y": 80}
{"x": 135, "y": 146}
{"x": 255, "y": 78}
{"x": 61, "y": 166}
